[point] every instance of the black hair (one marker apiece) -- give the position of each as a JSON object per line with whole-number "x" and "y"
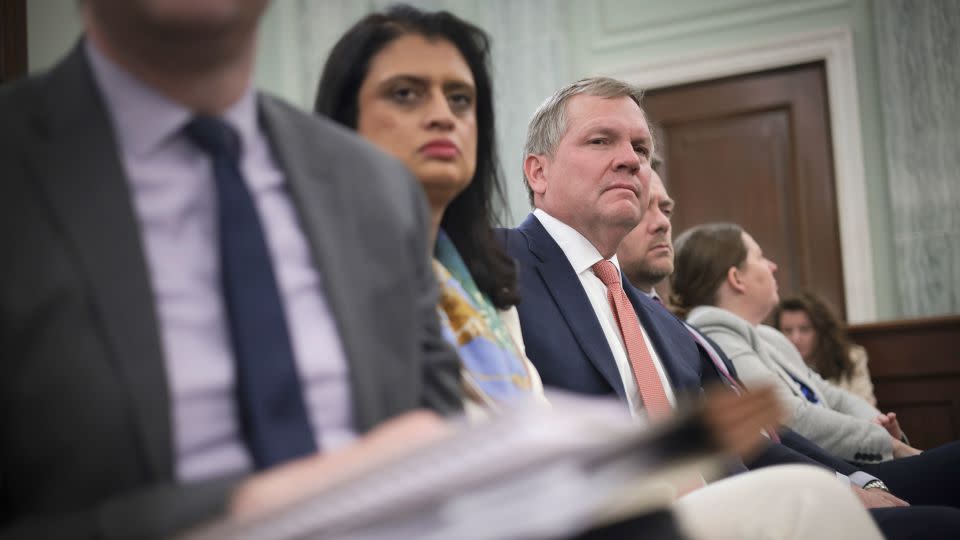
{"x": 470, "y": 218}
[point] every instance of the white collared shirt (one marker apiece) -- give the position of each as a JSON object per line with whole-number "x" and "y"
{"x": 582, "y": 256}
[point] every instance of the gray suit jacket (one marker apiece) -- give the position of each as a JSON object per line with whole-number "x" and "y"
{"x": 85, "y": 427}
{"x": 839, "y": 422}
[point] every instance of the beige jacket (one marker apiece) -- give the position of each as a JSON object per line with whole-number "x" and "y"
{"x": 839, "y": 421}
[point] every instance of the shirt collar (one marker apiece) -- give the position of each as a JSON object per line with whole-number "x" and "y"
{"x": 579, "y": 251}
{"x": 143, "y": 118}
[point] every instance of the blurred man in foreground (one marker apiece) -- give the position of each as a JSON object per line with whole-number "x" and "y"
{"x": 180, "y": 308}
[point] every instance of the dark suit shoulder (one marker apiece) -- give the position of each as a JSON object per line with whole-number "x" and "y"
{"x": 17, "y": 92}
{"x": 18, "y": 100}
{"x": 347, "y": 144}
{"x": 522, "y": 243}
{"x": 512, "y": 240}
{"x": 380, "y": 188}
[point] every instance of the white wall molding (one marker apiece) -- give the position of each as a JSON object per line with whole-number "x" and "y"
{"x": 835, "y": 47}
{"x": 720, "y": 17}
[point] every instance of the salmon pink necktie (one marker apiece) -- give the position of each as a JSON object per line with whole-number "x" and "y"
{"x": 270, "y": 404}
{"x": 648, "y": 380}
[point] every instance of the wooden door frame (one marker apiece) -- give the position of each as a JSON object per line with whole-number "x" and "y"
{"x": 833, "y": 46}
{"x": 13, "y": 33}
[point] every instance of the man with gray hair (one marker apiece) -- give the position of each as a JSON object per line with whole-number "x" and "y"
{"x": 588, "y": 170}
{"x": 587, "y": 167}
{"x": 186, "y": 329}
{"x": 587, "y": 330}
{"x": 549, "y": 122}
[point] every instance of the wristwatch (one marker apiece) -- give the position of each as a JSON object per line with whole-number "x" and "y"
{"x": 876, "y": 483}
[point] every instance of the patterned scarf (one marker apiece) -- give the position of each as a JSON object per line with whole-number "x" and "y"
{"x": 492, "y": 365}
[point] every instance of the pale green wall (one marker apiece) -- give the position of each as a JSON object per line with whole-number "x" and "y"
{"x": 277, "y": 59}
{"x": 282, "y": 68}
{"x": 52, "y": 28}
{"x": 734, "y": 28}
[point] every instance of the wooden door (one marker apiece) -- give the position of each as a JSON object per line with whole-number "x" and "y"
{"x": 755, "y": 150}
{"x": 13, "y": 39}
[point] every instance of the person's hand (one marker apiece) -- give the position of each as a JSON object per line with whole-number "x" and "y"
{"x": 902, "y": 449}
{"x": 878, "y": 498}
{"x": 889, "y": 422}
{"x": 736, "y": 421}
{"x": 286, "y": 483}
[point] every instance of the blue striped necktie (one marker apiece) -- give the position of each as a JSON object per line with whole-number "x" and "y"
{"x": 269, "y": 397}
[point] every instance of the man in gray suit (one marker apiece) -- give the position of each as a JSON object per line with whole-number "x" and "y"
{"x": 175, "y": 248}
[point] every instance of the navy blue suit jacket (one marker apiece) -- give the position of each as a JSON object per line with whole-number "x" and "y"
{"x": 565, "y": 342}
{"x": 561, "y": 333}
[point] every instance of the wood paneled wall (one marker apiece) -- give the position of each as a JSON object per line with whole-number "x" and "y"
{"x": 915, "y": 365}
{"x": 755, "y": 150}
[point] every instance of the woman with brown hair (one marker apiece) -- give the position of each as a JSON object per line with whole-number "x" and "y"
{"x": 819, "y": 336}
{"x": 725, "y": 287}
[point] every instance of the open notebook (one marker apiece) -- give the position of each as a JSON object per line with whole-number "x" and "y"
{"x": 531, "y": 473}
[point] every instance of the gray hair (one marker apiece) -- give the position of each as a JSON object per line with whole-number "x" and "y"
{"x": 549, "y": 122}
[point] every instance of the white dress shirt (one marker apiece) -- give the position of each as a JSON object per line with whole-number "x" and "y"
{"x": 582, "y": 256}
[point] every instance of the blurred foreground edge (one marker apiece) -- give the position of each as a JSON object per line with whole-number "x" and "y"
{"x": 533, "y": 473}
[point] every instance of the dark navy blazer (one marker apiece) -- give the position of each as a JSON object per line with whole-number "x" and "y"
{"x": 562, "y": 335}
{"x": 565, "y": 342}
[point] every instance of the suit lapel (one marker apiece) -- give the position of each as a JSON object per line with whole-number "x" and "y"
{"x": 572, "y": 301}
{"x": 77, "y": 165}
{"x": 678, "y": 370}
{"x": 318, "y": 178}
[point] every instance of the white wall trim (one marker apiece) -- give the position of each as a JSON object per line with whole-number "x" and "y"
{"x": 835, "y": 47}
{"x": 721, "y": 17}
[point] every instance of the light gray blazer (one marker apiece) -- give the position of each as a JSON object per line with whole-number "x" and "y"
{"x": 86, "y": 448}
{"x": 839, "y": 422}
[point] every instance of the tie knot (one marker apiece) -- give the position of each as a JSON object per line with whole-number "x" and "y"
{"x": 607, "y": 272}
{"x": 214, "y": 136}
